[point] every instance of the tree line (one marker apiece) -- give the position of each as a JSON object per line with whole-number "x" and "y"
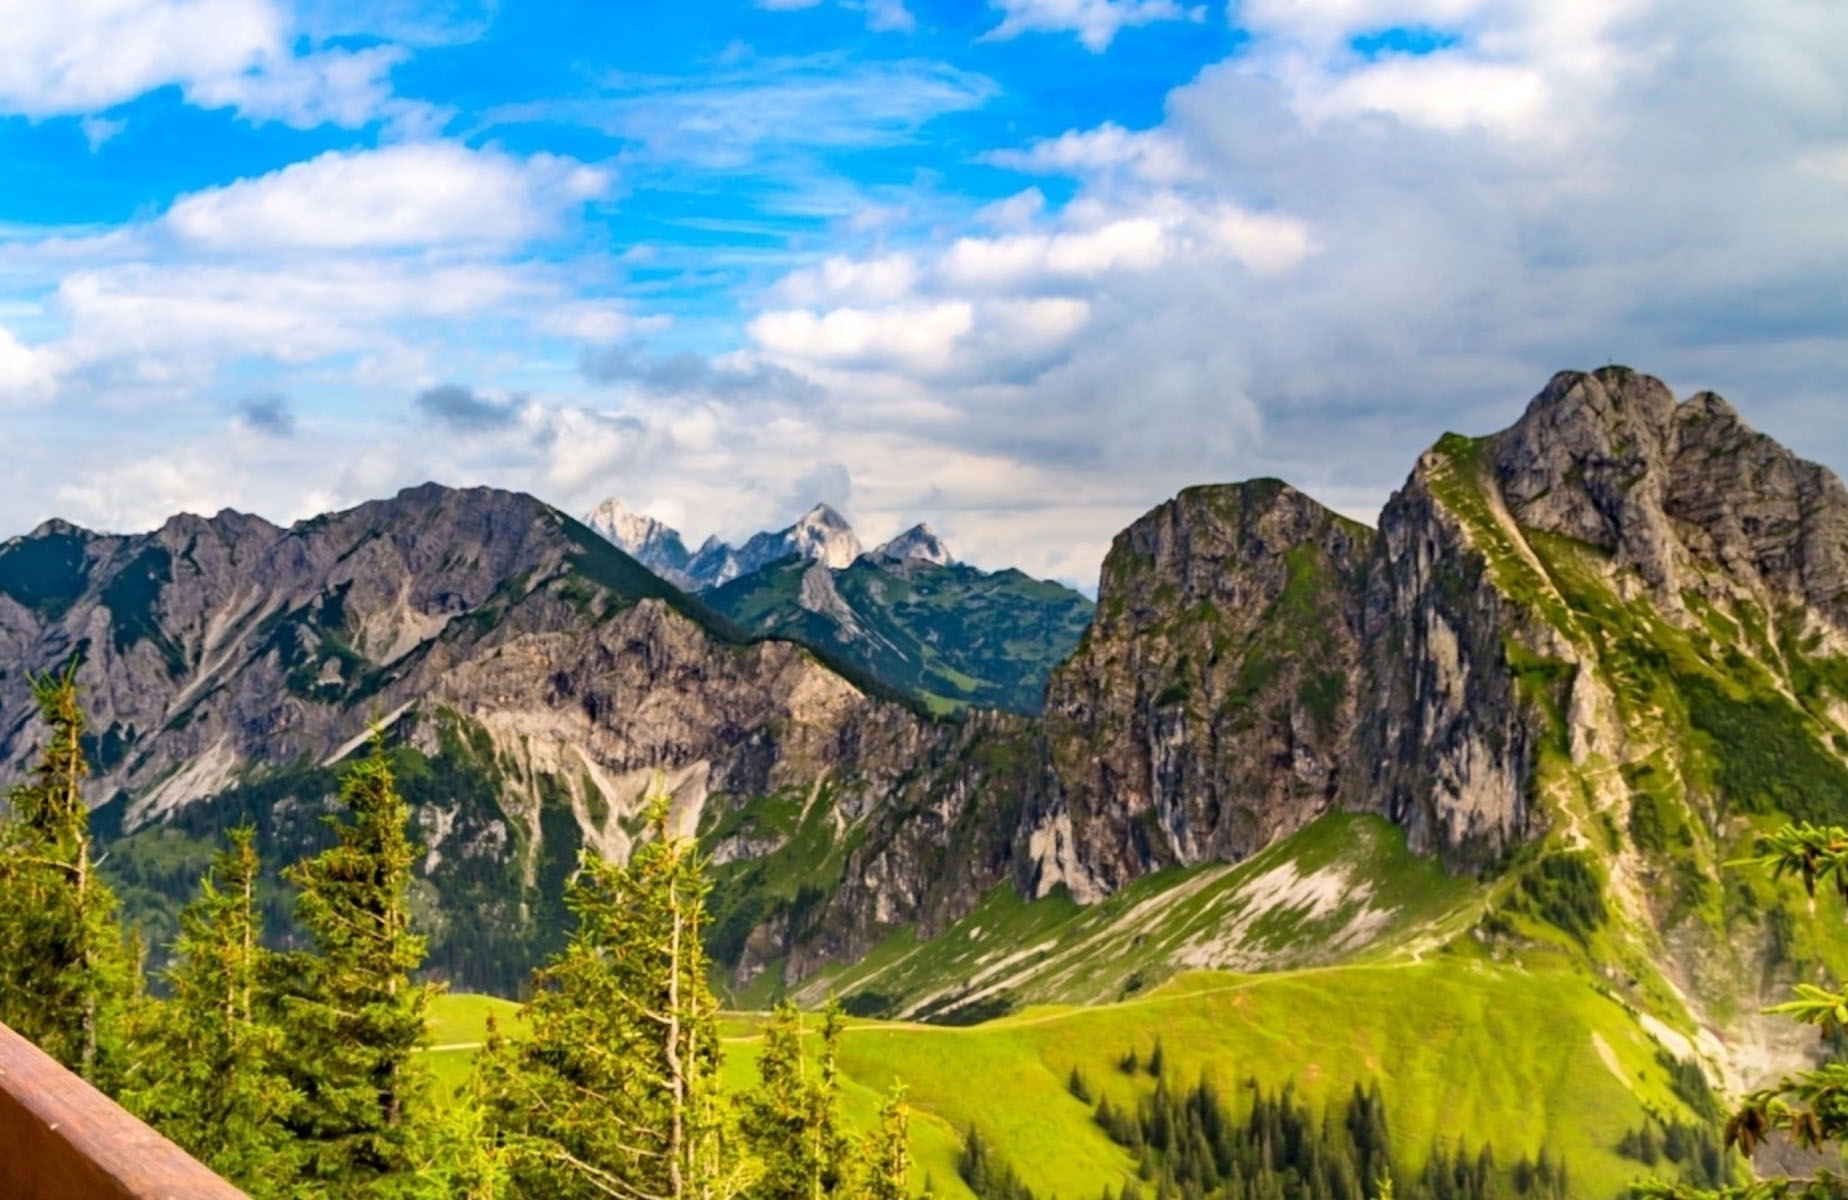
{"x": 296, "y": 1072}
{"x": 1189, "y": 1145}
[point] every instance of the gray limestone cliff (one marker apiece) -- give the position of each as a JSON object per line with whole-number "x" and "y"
{"x": 1210, "y": 708}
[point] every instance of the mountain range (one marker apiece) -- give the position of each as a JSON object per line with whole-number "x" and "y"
{"x": 819, "y": 535}
{"x": 905, "y": 611}
{"x": 1507, "y": 743}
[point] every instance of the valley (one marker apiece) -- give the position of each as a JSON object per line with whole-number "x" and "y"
{"x": 1459, "y": 804}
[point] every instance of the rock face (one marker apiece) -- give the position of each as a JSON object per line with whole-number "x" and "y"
{"x": 1256, "y": 659}
{"x": 1210, "y": 708}
{"x": 1479, "y": 657}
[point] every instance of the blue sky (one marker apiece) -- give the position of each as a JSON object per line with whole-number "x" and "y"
{"x": 1021, "y": 268}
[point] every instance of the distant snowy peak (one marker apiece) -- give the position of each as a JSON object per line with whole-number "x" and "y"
{"x": 821, "y": 535}
{"x": 920, "y": 543}
{"x": 645, "y": 539}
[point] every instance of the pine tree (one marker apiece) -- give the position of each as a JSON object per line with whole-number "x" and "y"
{"x": 211, "y": 1075}
{"x": 791, "y": 1120}
{"x": 353, "y": 1018}
{"x": 887, "y": 1152}
{"x": 67, "y": 977}
{"x": 470, "y": 1161}
{"x": 616, "y": 1090}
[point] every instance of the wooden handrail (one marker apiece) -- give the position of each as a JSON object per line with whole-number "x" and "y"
{"x": 61, "y": 1139}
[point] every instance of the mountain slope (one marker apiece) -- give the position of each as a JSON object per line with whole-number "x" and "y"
{"x": 1587, "y": 660}
{"x": 905, "y": 612}
{"x": 948, "y": 632}
{"x": 533, "y": 680}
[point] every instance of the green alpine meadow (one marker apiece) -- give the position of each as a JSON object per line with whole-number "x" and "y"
{"x": 452, "y": 846}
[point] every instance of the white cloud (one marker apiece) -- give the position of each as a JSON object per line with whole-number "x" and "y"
{"x": 84, "y": 58}
{"x": 915, "y": 337}
{"x": 1435, "y": 91}
{"x": 1164, "y": 226}
{"x": 1150, "y": 155}
{"x": 61, "y": 59}
{"x": 1519, "y": 68}
{"x": 843, "y": 280}
{"x": 1136, "y": 243}
{"x": 1096, "y": 22}
{"x": 1018, "y": 211}
{"x": 597, "y": 321}
{"x": 1266, "y": 243}
{"x": 348, "y": 88}
{"x": 415, "y": 194}
{"x": 25, "y": 372}
{"x": 154, "y": 320}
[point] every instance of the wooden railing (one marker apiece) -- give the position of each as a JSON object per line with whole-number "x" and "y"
{"x": 61, "y": 1139}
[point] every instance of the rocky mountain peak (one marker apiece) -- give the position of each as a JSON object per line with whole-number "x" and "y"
{"x": 920, "y": 543}
{"x": 825, "y": 536}
{"x": 1588, "y": 461}
{"x": 1610, "y": 459}
{"x": 819, "y": 535}
{"x": 653, "y": 543}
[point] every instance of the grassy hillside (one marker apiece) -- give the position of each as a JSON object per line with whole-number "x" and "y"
{"x": 1463, "y": 1048}
{"x": 1343, "y": 888}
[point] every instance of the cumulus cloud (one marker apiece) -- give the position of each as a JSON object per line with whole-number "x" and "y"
{"x": 340, "y": 255}
{"x": 919, "y": 337}
{"x": 148, "y": 322}
{"x": 840, "y": 278}
{"x": 1096, "y": 22}
{"x": 415, "y": 194}
{"x": 71, "y": 60}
